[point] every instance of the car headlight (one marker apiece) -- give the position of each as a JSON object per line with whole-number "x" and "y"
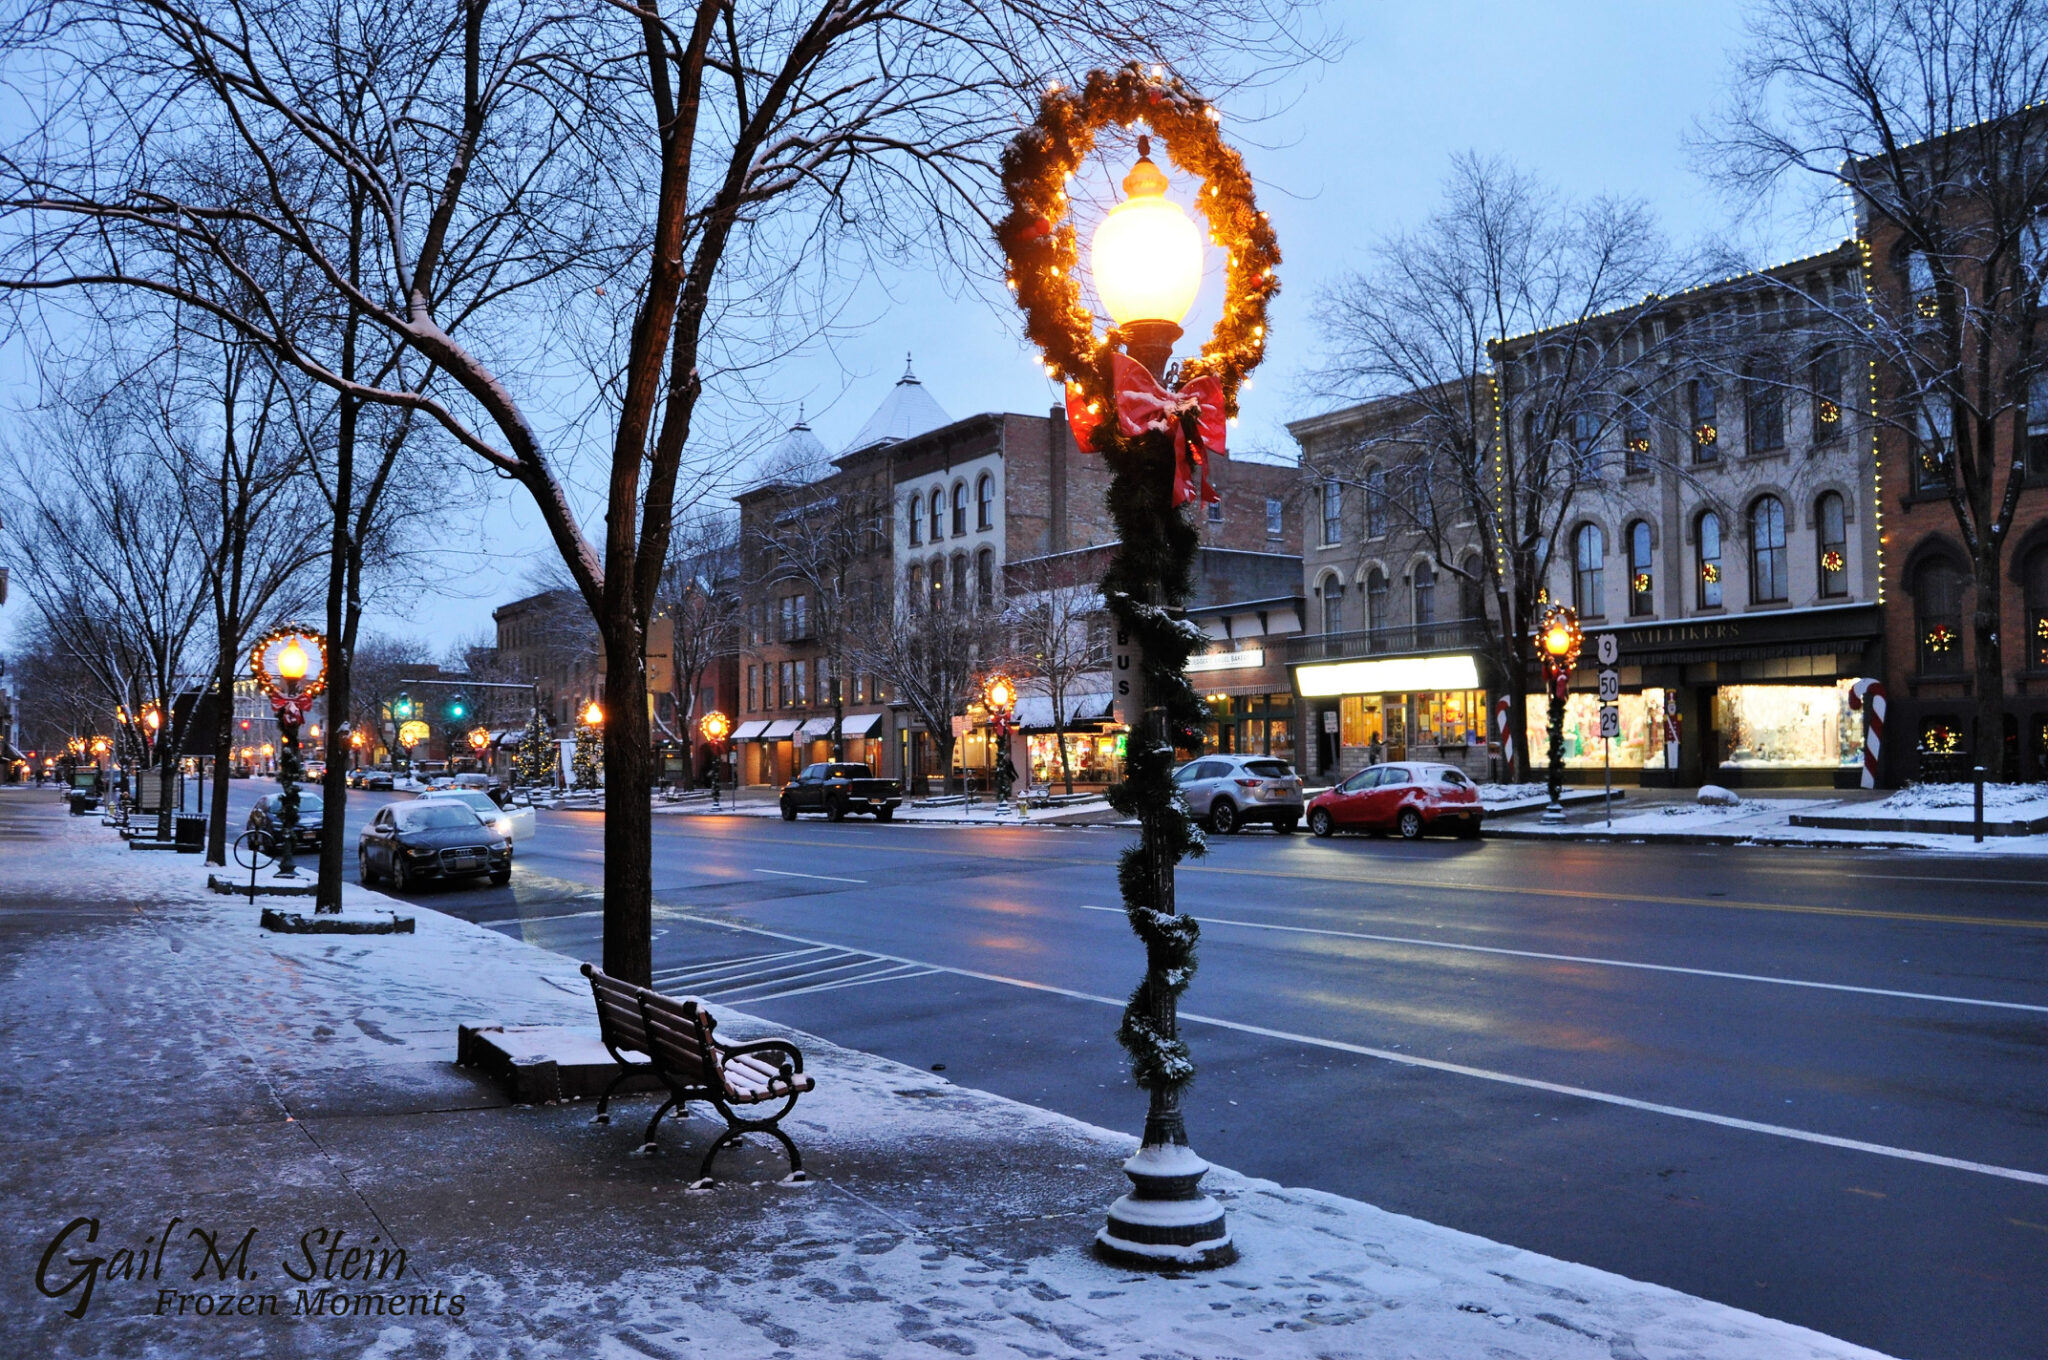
{"x": 504, "y": 825}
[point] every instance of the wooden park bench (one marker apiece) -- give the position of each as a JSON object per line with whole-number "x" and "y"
{"x": 675, "y": 1041}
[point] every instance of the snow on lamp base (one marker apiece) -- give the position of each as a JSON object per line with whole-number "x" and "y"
{"x": 1166, "y": 1223}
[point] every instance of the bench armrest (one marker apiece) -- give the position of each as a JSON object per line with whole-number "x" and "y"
{"x": 794, "y": 1056}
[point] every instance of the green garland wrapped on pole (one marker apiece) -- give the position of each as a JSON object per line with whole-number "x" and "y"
{"x": 1160, "y": 426}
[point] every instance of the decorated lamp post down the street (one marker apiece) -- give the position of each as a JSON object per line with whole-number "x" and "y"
{"x": 999, "y": 697}
{"x": 715, "y": 726}
{"x": 290, "y": 665}
{"x": 1158, "y": 425}
{"x": 1558, "y": 640}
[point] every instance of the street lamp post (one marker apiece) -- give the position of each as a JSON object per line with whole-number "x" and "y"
{"x": 715, "y": 726}
{"x": 999, "y": 695}
{"x": 290, "y": 664}
{"x": 1157, "y": 425}
{"x": 1558, "y": 640}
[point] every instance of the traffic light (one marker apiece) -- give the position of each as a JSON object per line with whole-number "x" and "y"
{"x": 403, "y": 708}
{"x": 458, "y": 709}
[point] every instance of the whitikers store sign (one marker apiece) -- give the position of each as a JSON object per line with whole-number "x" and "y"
{"x": 1756, "y": 699}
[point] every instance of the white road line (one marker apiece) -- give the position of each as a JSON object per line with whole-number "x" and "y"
{"x": 739, "y": 965}
{"x": 828, "y": 878}
{"x": 1458, "y": 1069}
{"x": 1605, "y": 963}
{"x": 805, "y": 975}
{"x": 895, "y": 975}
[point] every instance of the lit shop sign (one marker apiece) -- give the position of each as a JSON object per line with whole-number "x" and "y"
{"x": 1226, "y": 661}
{"x": 1404, "y": 675}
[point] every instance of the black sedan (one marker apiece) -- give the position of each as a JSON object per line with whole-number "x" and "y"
{"x": 413, "y": 842}
{"x": 268, "y": 815}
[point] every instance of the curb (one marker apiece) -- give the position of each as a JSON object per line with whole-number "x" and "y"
{"x": 1696, "y": 838}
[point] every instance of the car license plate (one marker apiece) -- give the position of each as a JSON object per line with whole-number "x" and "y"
{"x": 464, "y": 862}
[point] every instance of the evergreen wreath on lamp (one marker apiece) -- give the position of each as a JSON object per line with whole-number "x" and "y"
{"x": 1160, "y": 427}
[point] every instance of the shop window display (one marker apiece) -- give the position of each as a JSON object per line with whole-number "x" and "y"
{"x": 1639, "y": 747}
{"x": 1362, "y": 723}
{"x": 1094, "y": 756}
{"x": 1787, "y": 726}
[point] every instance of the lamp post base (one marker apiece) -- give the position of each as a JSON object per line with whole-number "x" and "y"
{"x": 1553, "y": 815}
{"x": 1166, "y": 1223}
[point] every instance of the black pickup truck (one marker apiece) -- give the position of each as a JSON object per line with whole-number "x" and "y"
{"x": 836, "y": 790}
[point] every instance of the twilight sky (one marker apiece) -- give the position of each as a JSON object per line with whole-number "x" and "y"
{"x": 1592, "y": 95}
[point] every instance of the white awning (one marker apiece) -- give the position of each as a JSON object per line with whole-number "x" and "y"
{"x": 1034, "y": 711}
{"x": 1395, "y": 675}
{"x": 780, "y": 729}
{"x": 815, "y": 728}
{"x": 747, "y": 731}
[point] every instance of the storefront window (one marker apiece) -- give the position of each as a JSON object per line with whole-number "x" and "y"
{"x": 1093, "y": 755}
{"x": 1796, "y": 726}
{"x": 1639, "y": 747}
{"x": 1457, "y": 718}
{"x": 1362, "y": 723}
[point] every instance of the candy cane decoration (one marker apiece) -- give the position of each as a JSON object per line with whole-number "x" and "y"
{"x": 1507, "y": 735}
{"x": 1867, "y": 697}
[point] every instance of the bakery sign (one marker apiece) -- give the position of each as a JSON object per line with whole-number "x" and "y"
{"x": 1226, "y": 661}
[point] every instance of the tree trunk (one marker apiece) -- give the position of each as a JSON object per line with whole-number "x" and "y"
{"x": 1988, "y": 748}
{"x": 223, "y": 759}
{"x": 628, "y": 812}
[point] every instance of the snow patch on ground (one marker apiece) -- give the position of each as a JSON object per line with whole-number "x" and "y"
{"x": 1957, "y": 802}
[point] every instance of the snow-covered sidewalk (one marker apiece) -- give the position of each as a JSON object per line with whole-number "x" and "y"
{"x": 1761, "y": 819}
{"x": 171, "y": 1063}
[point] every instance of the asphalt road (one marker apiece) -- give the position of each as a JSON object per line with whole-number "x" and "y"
{"x": 1805, "y": 1083}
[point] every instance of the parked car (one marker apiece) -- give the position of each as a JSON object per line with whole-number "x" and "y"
{"x": 1411, "y": 797}
{"x": 410, "y": 843}
{"x": 515, "y": 822}
{"x": 836, "y": 789}
{"x": 474, "y": 780}
{"x": 270, "y": 808}
{"x": 1226, "y": 792}
{"x": 378, "y": 780}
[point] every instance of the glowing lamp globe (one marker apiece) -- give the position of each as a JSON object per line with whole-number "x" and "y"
{"x": 1557, "y": 640}
{"x": 714, "y": 726}
{"x": 1001, "y": 694}
{"x": 593, "y": 715}
{"x": 292, "y": 662}
{"x": 1146, "y": 255}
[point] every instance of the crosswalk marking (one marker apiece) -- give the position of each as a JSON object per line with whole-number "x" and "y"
{"x": 784, "y": 973}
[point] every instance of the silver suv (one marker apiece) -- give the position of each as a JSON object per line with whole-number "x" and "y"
{"x": 1228, "y": 791}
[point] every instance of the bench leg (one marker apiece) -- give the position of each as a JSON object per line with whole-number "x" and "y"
{"x": 647, "y": 1143}
{"x": 733, "y": 1135}
{"x": 604, "y": 1101}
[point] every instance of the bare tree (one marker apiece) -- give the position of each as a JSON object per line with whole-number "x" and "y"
{"x": 1508, "y": 336}
{"x": 1059, "y": 635}
{"x": 700, "y": 602}
{"x": 930, "y": 659}
{"x": 1930, "y": 114}
{"x": 517, "y": 158}
{"x": 120, "y": 573}
{"x": 383, "y": 667}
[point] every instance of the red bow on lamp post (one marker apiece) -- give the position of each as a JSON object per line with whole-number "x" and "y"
{"x": 1195, "y": 415}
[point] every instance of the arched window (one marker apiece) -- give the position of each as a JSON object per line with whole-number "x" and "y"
{"x": 1938, "y": 589}
{"x": 985, "y": 502}
{"x": 938, "y": 513}
{"x": 913, "y": 587}
{"x": 1589, "y": 576}
{"x": 1333, "y": 512}
{"x": 1376, "y": 599}
{"x": 1767, "y": 583}
{"x": 1827, "y": 394}
{"x": 1376, "y": 503}
{"x": 2034, "y": 581}
{"x": 1472, "y": 588}
{"x": 916, "y": 518}
{"x": 1425, "y": 594}
{"x": 1831, "y": 524}
{"x": 1641, "y": 579}
{"x": 1764, "y": 413}
{"x": 985, "y": 577}
{"x": 959, "y": 509}
{"x": 1333, "y": 604}
{"x": 1635, "y": 433}
{"x": 1707, "y": 541}
{"x": 937, "y": 569}
{"x": 1706, "y": 421}
{"x": 960, "y": 562}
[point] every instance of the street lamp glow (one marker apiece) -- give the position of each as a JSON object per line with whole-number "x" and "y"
{"x": 1146, "y": 255}
{"x": 714, "y": 726}
{"x": 293, "y": 662}
{"x": 1000, "y": 694}
{"x": 593, "y": 715}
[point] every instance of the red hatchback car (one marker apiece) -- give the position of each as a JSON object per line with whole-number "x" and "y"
{"x": 1411, "y": 797}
